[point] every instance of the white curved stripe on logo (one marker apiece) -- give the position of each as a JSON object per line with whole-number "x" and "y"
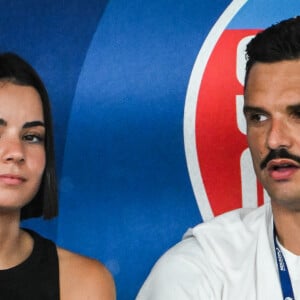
{"x": 191, "y": 104}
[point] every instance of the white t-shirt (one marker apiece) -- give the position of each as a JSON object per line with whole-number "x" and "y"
{"x": 230, "y": 257}
{"x": 293, "y": 264}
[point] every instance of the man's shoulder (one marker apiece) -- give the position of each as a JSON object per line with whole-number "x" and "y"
{"x": 196, "y": 264}
{"x": 235, "y": 229}
{"x": 233, "y": 235}
{"x": 177, "y": 274}
{"x": 230, "y": 232}
{"x": 235, "y": 221}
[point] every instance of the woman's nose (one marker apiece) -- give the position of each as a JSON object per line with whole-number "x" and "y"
{"x": 12, "y": 150}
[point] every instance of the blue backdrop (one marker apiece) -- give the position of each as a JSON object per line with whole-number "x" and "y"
{"x": 117, "y": 73}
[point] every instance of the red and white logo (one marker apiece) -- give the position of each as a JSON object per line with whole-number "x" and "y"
{"x": 217, "y": 154}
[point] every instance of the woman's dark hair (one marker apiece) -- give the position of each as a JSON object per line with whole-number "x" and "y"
{"x": 15, "y": 70}
{"x": 279, "y": 42}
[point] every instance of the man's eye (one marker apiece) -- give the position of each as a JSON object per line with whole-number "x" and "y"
{"x": 33, "y": 138}
{"x": 257, "y": 117}
{"x": 296, "y": 114}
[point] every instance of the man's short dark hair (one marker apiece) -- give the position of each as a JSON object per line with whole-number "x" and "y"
{"x": 15, "y": 70}
{"x": 279, "y": 42}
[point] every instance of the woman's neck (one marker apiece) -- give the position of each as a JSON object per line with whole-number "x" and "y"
{"x": 15, "y": 244}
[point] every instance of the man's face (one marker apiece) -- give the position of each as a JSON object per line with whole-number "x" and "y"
{"x": 272, "y": 111}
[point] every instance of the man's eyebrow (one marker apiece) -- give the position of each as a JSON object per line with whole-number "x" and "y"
{"x": 294, "y": 107}
{"x": 31, "y": 124}
{"x": 252, "y": 109}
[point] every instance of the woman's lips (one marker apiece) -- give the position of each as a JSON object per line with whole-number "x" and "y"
{"x": 11, "y": 179}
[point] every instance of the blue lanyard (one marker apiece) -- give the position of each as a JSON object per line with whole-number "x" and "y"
{"x": 285, "y": 280}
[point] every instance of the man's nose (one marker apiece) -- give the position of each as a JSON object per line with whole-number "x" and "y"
{"x": 279, "y": 135}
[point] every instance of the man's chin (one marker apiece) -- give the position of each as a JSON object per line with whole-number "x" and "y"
{"x": 287, "y": 203}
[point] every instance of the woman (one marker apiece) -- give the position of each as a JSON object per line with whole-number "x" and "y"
{"x": 32, "y": 267}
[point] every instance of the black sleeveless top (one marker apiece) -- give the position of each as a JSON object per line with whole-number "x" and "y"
{"x": 37, "y": 278}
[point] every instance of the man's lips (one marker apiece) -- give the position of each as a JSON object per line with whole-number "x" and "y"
{"x": 11, "y": 179}
{"x": 282, "y": 169}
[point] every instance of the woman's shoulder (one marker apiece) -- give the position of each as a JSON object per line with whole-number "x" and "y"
{"x": 83, "y": 278}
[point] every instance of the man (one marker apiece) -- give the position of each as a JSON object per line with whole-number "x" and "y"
{"x": 251, "y": 253}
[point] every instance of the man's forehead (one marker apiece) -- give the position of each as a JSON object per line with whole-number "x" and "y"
{"x": 281, "y": 67}
{"x": 277, "y": 77}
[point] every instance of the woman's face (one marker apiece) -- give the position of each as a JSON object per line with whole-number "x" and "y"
{"x": 22, "y": 150}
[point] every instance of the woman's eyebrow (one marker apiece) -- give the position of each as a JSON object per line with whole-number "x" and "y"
{"x": 26, "y": 125}
{"x": 31, "y": 124}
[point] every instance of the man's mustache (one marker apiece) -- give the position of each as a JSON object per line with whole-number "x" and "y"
{"x": 278, "y": 153}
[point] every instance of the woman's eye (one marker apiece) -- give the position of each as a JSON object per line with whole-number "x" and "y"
{"x": 33, "y": 138}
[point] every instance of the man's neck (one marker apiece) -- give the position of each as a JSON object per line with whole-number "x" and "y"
{"x": 287, "y": 223}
